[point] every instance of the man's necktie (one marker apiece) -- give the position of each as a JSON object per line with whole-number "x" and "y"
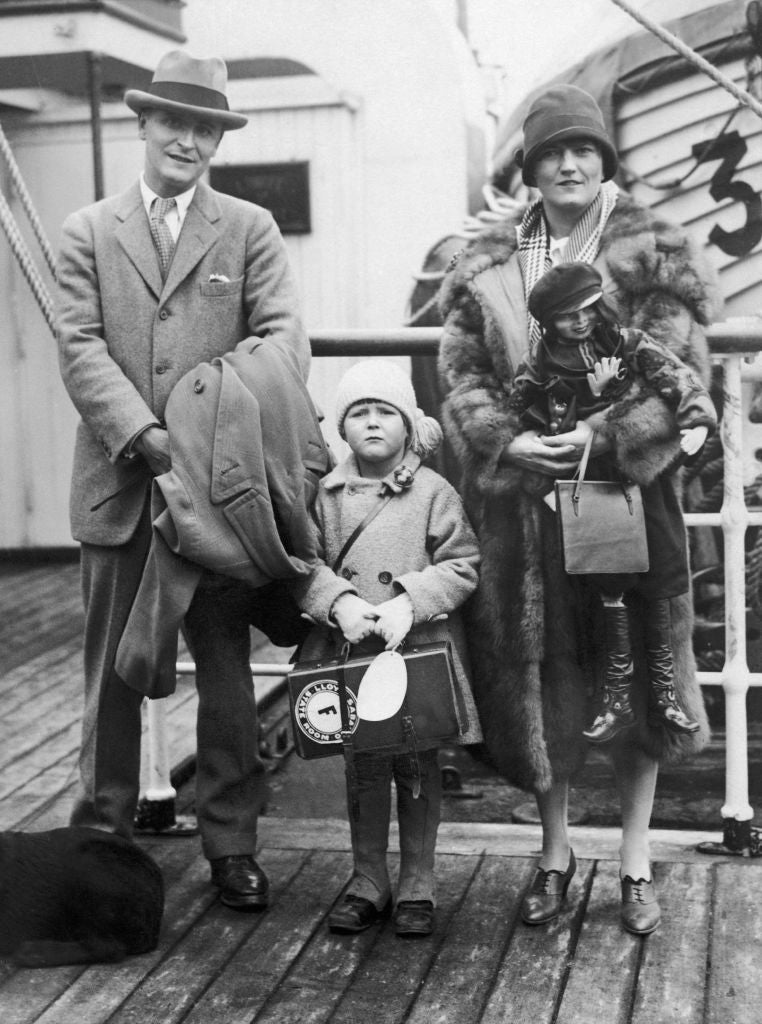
{"x": 162, "y": 236}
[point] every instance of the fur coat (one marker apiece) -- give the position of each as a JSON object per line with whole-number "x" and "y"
{"x": 535, "y": 634}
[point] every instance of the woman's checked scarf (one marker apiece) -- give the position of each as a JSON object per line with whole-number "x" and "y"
{"x": 582, "y": 247}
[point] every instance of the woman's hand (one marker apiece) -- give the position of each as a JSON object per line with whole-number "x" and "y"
{"x": 530, "y": 451}
{"x": 576, "y": 440}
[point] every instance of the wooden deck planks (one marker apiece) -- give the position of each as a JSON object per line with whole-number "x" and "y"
{"x": 735, "y": 978}
{"x": 389, "y": 982}
{"x": 673, "y": 967}
{"x": 40, "y": 608}
{"x": 262, "y": 964}
{"x": 482, "y": 965}
{"x": 189, "y": 967}
{"x": 463, "y": 975}
{"x": 603, "y": 970}
{"x": 533, "y": 970}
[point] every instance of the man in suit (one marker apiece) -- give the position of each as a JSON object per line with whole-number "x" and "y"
{"x": 151, "y": 283}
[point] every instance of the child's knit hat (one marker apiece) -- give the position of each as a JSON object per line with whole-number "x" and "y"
{"x": 382, "y": 381}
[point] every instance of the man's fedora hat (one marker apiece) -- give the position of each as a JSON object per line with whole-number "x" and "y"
{"x": 185, "y": 85}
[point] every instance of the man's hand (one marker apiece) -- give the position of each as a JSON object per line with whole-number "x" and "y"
{"x": 395, "y": 618}
{"x": 153, "y": 445}
{"x": 691, "y": 440}
{"x": 603, "y": 373}
{"x": 354, "y": 617}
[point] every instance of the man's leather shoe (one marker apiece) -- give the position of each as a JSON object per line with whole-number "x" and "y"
{"x": 640, "y": 910}
{"x": 547, "y": 893}
{"x": 354, "y": 914}
{"x": 242, "y": 882}
{"x": 414, "y": 917}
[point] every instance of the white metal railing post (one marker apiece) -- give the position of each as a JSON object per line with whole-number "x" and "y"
{"x": 156, "y": 807}
{"x": 736, "y": 812}
{"x": 735, "y": 520}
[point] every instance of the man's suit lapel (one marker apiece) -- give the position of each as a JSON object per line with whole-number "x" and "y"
{"x": 197, "y": 236}
{"x": 134, "y": 235}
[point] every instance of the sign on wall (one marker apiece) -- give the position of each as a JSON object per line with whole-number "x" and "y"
{"x": 283, "y": 189}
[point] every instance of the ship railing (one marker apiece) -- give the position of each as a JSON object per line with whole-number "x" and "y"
{"x": 734, "y": 344}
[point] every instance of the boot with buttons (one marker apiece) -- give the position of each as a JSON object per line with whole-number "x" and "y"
{"x": 615, "y": 713}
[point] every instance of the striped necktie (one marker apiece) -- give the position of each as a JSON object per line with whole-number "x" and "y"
{"x": 162, "y": 236}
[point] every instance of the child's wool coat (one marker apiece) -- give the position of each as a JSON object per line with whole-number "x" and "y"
{"x": 420, "y": 543}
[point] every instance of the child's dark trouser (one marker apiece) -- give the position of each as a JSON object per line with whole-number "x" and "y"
{"x": 418, "y": 817}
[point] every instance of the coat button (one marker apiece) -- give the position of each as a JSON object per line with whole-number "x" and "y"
{"x": 161, "y": 368}
{"x": 163, "y": 315}
{"x": 198, "y": 386}
{"x": 385, "y": 577}
{"x": 346, "y": 573}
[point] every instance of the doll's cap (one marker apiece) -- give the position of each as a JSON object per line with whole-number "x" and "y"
{"x": 565, "y": 288}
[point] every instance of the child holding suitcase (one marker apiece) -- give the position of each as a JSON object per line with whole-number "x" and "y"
{"x": 411, "y": 564}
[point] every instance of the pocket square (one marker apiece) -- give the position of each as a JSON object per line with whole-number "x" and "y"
{"x": 219, "y": 277}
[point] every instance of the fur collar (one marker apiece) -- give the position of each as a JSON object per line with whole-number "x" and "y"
{"x": 633, "y": 243}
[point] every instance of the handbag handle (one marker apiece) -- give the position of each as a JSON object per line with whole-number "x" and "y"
{"x": 582, "y": 469}
{"x": 577, "y": 492}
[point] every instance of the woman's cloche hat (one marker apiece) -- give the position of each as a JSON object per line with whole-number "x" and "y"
{"x": 191, "y": 86}
{"x": 564, "y": 112}
{"x": 564, "y": 288}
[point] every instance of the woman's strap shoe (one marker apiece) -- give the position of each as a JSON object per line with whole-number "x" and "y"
{"x": 640, "y": 910}
{"x": 546, "y": 894}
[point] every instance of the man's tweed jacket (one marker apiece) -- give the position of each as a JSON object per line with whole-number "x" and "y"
{"x": 125, "y": 340}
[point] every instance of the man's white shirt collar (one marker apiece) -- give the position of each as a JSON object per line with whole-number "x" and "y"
{"x": 175, "y": 218}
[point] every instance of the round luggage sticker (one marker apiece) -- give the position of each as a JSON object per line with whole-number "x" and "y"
{"x": 318, "y": 711}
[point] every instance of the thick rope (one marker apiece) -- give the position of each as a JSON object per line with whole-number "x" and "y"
{"x": 690, "y": 55}
{"x": 27, "y": 264}
{"x": 26, "y": 202}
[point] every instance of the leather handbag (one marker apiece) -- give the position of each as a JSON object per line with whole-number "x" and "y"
{"x": 602, "y": 523}
{"x": 323, "y": 698}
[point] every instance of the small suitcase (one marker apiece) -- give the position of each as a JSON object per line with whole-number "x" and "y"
{"x": 432, "y": 707}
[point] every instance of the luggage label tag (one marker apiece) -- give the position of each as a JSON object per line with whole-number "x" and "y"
{"x": 382, "y": 688}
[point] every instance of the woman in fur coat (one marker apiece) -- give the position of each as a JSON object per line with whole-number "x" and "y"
{"x": 536, "y": 635}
